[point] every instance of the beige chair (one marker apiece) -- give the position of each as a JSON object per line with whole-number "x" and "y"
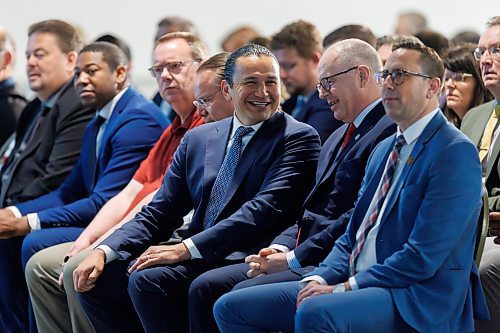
{"x": 482, "y": 228}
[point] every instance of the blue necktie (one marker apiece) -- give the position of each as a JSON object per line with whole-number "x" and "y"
{"x": 224, "y": 177}
{"x": 94, "y": 130}
{"x": 298, "y": 106}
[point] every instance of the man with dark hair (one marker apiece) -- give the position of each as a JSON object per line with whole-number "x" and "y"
{"x": 480, "y": 124}
{"x": 405, "y": 262}
{"x": 350, "y": 31}
{"x": 384, "y": 46}
{"x": 11, "y": 100}
{"x": 298, "y": 49}
{"x": 245, "y": 178}
{"x": 435, "y": 40}
{"x": 110, "y": 154}
{"x": 410, "y": 23}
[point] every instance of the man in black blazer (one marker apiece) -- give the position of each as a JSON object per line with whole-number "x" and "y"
{"x": 298, "y": 49}
{"x": 356, "y": 101}
{"x": 50, "y": 128}
{"x": 235, "y": 211}
{"x": 48, "y": 137}
{"x": 11, "y": 100}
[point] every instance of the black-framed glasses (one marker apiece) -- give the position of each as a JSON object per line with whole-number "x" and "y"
{"x": 494, "y": 51}
{"x": 456, "y": 76}
{"x": 205, "y": 102}
{"x": 173, "y": 67}
{"x": 398, "y": 76}
{"x": 326, "y": 83}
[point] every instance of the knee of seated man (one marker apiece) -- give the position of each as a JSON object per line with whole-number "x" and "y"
{"x": 32, "y": 269}
{"x": 144, "y": 281}
{"x": 311, "y": 315}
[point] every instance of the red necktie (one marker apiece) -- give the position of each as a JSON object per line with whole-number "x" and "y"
{"x": 350, "y": 131}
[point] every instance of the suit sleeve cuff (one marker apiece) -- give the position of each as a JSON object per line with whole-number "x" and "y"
{"x": 15, "y": 211}
{"x": 281, "y": 248}
{"x": 292, "y": 260}
{"x": 316, "y": 278}
{"x": 195, "y": 254}
{"x": 109, "y": 252}
{"x": 353, "y": 283}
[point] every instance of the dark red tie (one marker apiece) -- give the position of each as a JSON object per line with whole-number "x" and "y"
{"x": 350, "y": 131}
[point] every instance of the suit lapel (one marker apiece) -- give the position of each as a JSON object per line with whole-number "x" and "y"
{"x": 482, "y": 116}
{"x": 437, "y": 121}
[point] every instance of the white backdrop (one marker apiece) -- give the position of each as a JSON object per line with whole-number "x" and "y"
{"x": 135, "y": 21}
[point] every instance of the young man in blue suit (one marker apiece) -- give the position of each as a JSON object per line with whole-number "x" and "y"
{"x": 115, "y": 142}
{"x": 298, "y": 49}
{"x": 239, "y": 203}
{"x": 405, "y": 262}
{"x": 354, "y": 97}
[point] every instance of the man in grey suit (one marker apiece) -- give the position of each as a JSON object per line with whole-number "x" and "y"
{"x": 481, "y": 125}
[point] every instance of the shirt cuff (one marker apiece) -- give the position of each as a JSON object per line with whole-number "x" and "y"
{"x": 15, "y": 211}
{"x": 195, "y": 254}
{"x": 292, "y": 260}
{"x": 353, "y": 283}
{"x": 109, "y": 252}
{"x": 316, "y": 278}
{"x": 34, "y": 221}
{"x": 280, "y": 248}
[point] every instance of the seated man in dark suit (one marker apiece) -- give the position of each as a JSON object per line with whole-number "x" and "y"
{"x": 48, "y": 135}
{"x": 114, "y": 144}
{"x": 239, "y": 203}
{"x": 298, "y": 49}
{"x": 12, "y": 102}
{"x": 354, "y": 97}
{"x": 405, "y": 263}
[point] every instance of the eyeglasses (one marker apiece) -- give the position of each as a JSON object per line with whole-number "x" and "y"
{"x": 456, "y": 77}
{"x": 494, "y": 51}
{"x": 173, "y": 67}
{"x": 326, "y": 83}
{"x": 204, "y": 103}
{"x": 398, "y": 76}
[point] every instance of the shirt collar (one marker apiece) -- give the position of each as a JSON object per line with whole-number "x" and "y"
{"x": 359, "y": 119}
{"x": 237, "y": 124}
{"x": 413, "y": 132}
{"x": 7, "y": 83}
{"x": 51, "y": 101}
{"x": 108, "y": 108}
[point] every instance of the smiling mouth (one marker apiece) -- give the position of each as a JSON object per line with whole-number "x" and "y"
{"x": 260, "y": 104}
{"x": 333, "y": 103}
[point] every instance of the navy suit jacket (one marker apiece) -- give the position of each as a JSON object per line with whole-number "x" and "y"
{"x": 316, "y": 113}
{"x": 425, "y": 241}
{"x": 133, "y": 128}
{"x": 272, "y": 178}
{"x": 338, "y": 180}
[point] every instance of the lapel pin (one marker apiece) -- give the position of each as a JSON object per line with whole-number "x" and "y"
{"x": 356, "y": 137}
{"x": 409, "y": 160}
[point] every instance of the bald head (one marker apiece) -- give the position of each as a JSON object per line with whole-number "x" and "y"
{"x": 7, "y": 54}
{"x": 352, "y": 52}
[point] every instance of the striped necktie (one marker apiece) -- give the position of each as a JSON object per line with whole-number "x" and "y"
{"x": 380, "y": 196}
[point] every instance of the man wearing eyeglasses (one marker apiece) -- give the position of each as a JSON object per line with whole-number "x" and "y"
{"x": 48, "y": 299}
{"x": 405, "y": 262}
{"x": 349, "y": 88}
{"x": 481, "y": 125}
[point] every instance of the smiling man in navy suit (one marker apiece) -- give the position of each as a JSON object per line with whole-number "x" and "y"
{"x": 115, "y": 141}
{"x": 405, "y": 263}
{"x": 245, "y": 177}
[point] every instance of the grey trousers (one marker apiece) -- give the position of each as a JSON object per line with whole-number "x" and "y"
{"x": 489, "y": 269}
{"x": 56, "y": 309}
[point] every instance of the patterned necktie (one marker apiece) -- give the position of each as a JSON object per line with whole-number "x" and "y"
{"x": 350, "y": 131}
{"x": 224, "y": 177}
{"x": 380, "y": 195}
{"x": 94, "y": 128}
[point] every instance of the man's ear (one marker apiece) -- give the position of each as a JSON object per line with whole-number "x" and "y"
{"x": 364, "y": 75}
{"x": 7, "y": 60}
{"x": 121, "y": 75}
{"x": 224, "y": 86}
{"x": 434, "y": 87}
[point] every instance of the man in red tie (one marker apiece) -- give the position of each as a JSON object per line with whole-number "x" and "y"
{"x": 348, "y": 86}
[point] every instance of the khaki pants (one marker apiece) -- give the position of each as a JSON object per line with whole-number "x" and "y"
{"x": 56, "y": 309}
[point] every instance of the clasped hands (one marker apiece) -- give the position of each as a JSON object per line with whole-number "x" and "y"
{"x": 89, "y": 270}
{"x": 11, "y": 226}
{"x": 268, "y": 261}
